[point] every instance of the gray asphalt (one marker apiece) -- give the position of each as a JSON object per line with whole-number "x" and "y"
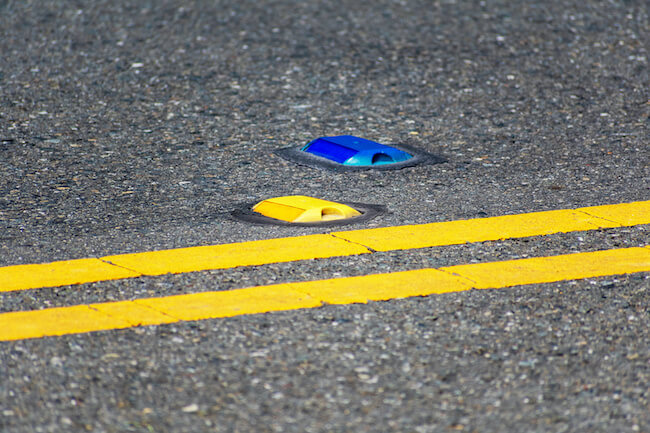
{"x": 129, "y": 126}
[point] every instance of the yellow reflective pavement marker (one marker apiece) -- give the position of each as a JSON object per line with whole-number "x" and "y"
{"x": 335, "y": 244}
{"x": 310, "y": 294}
{"x": 303, "y": 209}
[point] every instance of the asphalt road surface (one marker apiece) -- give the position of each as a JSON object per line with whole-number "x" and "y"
{"x": 132, "y": 126}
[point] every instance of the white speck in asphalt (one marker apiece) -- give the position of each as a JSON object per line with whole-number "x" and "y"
{"x": 191, "y": 408}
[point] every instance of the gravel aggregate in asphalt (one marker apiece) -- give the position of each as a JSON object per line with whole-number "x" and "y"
{"x": 128, "y": 126}
{"x": 131, "y": 120}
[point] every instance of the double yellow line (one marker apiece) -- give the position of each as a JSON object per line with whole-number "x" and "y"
{"x": 289, "y": 296}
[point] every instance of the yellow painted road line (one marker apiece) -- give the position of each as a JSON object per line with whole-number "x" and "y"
{"x": 238, "y": 254}
{"x": 291, "y": 296}
{"x": 335, "y": 244}
{"x": 500, "y": 227}
{"x": 21, "y": 277}
{"x": 554, "y": 268}
{"x": 34, "y": 276}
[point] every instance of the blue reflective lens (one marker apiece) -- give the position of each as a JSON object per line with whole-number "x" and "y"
{"x": 329, "y": 150}
{"x": 356, "y": 151}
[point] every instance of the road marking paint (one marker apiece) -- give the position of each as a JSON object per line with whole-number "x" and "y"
{"x": 133, "y": 313}
{"x": 310, "y": 294}
{"x": 554, "y": 268}
{"x": 500, "y": 227}
{"x": 626, "y": 214}
{"x": 251, "y": 300}
{"x": 57, "y": 321}
{"x": 335, "y": 244}
{"x": 33, "y": 276}
{"x": 238, "y": 254}
{"x": 21, "y": 277}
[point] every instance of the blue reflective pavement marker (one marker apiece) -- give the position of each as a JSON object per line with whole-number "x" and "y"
{"x": 346, "y": 153}
{"x": 355, "y": 151}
